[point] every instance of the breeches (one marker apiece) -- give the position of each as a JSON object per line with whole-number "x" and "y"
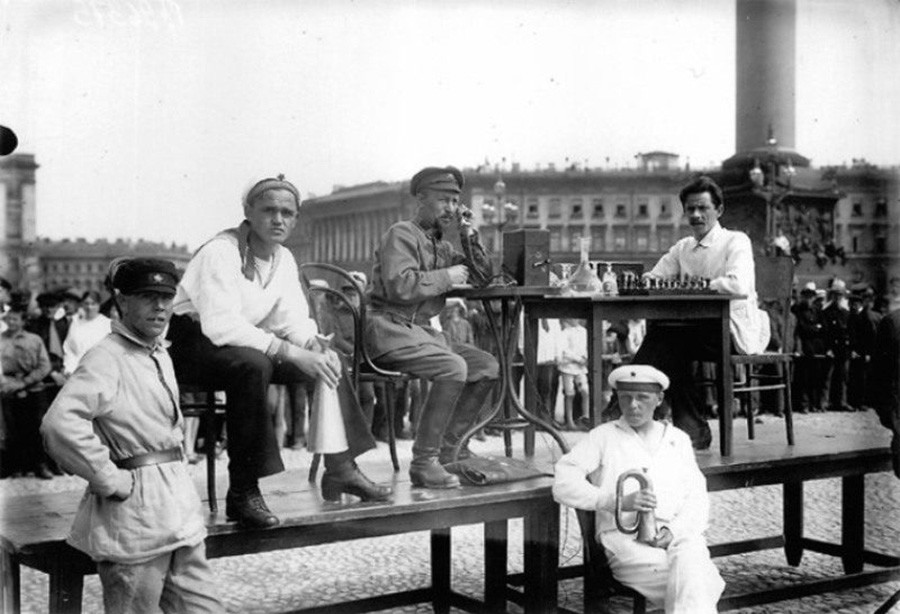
{"x": 683, "y": 578}
{"x": 459, "y": 362}
{"x": 245, "y": 374}
{"x": 180, "y": 581}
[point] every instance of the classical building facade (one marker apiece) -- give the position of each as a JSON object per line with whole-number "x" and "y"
{"x": 18, "y": 229}
{"x": 628, "y": 214}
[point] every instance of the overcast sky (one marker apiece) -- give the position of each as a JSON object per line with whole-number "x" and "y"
{"x": 149, "y": 117}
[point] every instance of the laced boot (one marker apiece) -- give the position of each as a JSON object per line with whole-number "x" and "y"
{"x": 246, "y": 505}
{"x": 425, "y": 470}
{"x": 347, "y": 478}
{"x": 465, "y": 414}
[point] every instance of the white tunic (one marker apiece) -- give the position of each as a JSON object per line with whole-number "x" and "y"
{"x": 83, "y": 335}
{"x": 683, "y": 577}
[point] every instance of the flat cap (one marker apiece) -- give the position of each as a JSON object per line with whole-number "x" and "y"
{"x": 145, "y": 275}
{"x": 271, "y": 183}
{"x": 639, "y": 378}
{"x": 809, "y": 289}
{"x": 445, "y": 179}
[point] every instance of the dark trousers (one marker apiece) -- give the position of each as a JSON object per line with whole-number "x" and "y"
{"x": 807, "y": 384}
{"x": 547, "y": 383}
{"x": 245, "y": 374}
{"x": 837, "y": 383}
{"x": 22, "y": 415}
{"x": 672, "y": 348}
{"x": 856, "y": 382}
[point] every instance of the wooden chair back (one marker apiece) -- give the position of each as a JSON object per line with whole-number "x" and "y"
{"x": 774, "y": 285}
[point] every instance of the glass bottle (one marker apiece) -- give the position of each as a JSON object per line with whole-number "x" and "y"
{"x": 585, "y": 279}
{"x": 610, "y": 284}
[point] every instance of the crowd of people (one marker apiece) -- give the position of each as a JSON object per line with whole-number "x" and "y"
{"x": 92, "y": 388}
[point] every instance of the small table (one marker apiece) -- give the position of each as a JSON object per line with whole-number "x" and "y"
{"x": 505, "y": 327}
{"x": 595, "y": 309}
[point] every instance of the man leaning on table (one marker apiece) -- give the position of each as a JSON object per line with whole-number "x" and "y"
{"x": 726, "y": 258}
{"x": 116, "y": 423}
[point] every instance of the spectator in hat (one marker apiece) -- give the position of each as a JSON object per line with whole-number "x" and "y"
{"x": 862, "y": 324}
{"x": 674, "y": 571}
{"x": 809, "y": 352}
{"x": 415, "y": 267}
{"x": 835, "y": 326}
{"x": 726, "y": 258}
{"x": 53, "y": 329}
{"x": 243, "y": 323}
{"x": 117, "y": 424}
{"x": 25, "y": 365}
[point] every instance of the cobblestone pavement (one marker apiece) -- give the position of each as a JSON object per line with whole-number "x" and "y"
{"x": 288, "y": 580}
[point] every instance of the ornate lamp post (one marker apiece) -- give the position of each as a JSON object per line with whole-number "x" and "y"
{"x": 771, "y": 178}
{"x": 505, "y": 213}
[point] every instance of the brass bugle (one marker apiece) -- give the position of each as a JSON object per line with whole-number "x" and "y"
{"x": 645, "y": 524}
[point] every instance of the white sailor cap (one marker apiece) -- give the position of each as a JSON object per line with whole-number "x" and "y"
{"x": 638, "y": 377}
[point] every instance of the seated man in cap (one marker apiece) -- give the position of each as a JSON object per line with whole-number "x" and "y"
{"x": 726, "y": 258}
{"x": 414, "y": 268}
{"x": 116, "y": 423}
{"x": 674, "y": 569}
{"x": 243, "y": 323}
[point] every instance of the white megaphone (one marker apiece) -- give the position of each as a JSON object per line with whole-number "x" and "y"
{"x": 326, "y": 424}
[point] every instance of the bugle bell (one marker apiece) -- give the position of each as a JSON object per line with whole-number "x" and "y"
{"x": 645, "y": 524}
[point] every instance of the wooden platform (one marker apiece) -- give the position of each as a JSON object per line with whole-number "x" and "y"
{"x": 33, "y": 529}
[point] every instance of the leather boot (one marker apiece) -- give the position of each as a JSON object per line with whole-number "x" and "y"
{"x": 425, "y": 469}
{"x": 350, "y": 480}
{"x": 246, "y": 505}
{"x": 469, "y": 405}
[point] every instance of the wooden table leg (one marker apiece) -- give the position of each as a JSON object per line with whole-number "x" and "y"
{"x": 594, "y": 327}
{"x": 495, "y": 564}
{"x": 440, "y": 569}
{"x": 65, "y": 589}
{"x": 853, "y": 522}
{"x": 541, "y": 558}
{"x": 793, "y": 522}
{"x": 726, "y": 390}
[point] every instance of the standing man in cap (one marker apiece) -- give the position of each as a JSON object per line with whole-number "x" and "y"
{"x": 862, "y": 322}
{"x": 414, "y": 269}
{"x": 725, "y": 257}
{"x": 243, "y": 323}
{"x": 809, "y": 352}
{"x": 117, "y": 424}
{"x": 836, "y": 329}
{"x": 674, "y": 570}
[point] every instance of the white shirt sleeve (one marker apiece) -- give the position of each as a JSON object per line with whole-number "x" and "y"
{"x": 571, "y": 486}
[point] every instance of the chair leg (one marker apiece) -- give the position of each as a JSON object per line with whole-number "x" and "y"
{"x": 210, "y": 442}
{"x": 787, "y": 374}
{"x": 314, "y": 467}
{"x": 390, "y": 399}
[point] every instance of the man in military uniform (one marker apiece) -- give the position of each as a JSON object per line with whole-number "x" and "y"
{"x": 835, "y": 324}
{"x": 414, "y": 269}
{"x": 809, "y": 351}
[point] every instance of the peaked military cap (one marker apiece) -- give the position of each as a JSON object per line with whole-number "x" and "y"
{"x": 145, "y": 275}
{"x": 639, "y": 378}
{"x": 445, "y": 179}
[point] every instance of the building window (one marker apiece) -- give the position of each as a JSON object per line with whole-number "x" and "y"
{"x": 534, "y": 210}
{"x": 555, "y": 211}
{"x": 597, "y": 208}
{"x": 643, "y": 209}
{"x": 620, "y": 210}
{"x": 881, "y": 208}
{"x": 642, "y": 239}
{"x": 880, "y": 246}
{"x": 854, "y": 244}
{"x": 665, "y": 206}
{"x": 574, "y": 239}
{"x": 598, "y": 239}
{"x": 857, "y": 210}
{"x": 620, "y": 239}
{"x": 555, "y": 240}
{"x": 577, "y": 209}
{"x": 664, "y": 238}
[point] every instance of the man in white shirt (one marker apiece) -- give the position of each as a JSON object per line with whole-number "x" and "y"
{"x": 242, "y": 322}
{"x": 726, "y": 258}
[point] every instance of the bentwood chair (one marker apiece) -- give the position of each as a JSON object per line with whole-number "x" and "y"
{"x": 599, "y": 584}
{"x": 208, "y": 410}
{"x": 338, "y": 305}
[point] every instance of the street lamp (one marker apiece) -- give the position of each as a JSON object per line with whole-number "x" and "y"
{"x": 504, "y": 212}
{"x": 771, "y": 179}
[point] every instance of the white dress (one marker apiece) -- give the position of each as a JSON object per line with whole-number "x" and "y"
{"x": 82, "y": 336}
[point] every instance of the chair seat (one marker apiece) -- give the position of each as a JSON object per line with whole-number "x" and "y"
{"x": 766, "y": 358}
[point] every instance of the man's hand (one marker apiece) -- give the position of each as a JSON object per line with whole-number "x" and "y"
{"x": 639, "y": 501}
{"x": 663, "y": 538}
{"x": 12, "y": 385}
{"x": 325, "y": 365}
{"x": 459, "y": 274}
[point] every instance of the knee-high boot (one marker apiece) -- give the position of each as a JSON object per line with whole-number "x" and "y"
{"x": 470, "y": 403}
{"x": 425, "y": 470}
